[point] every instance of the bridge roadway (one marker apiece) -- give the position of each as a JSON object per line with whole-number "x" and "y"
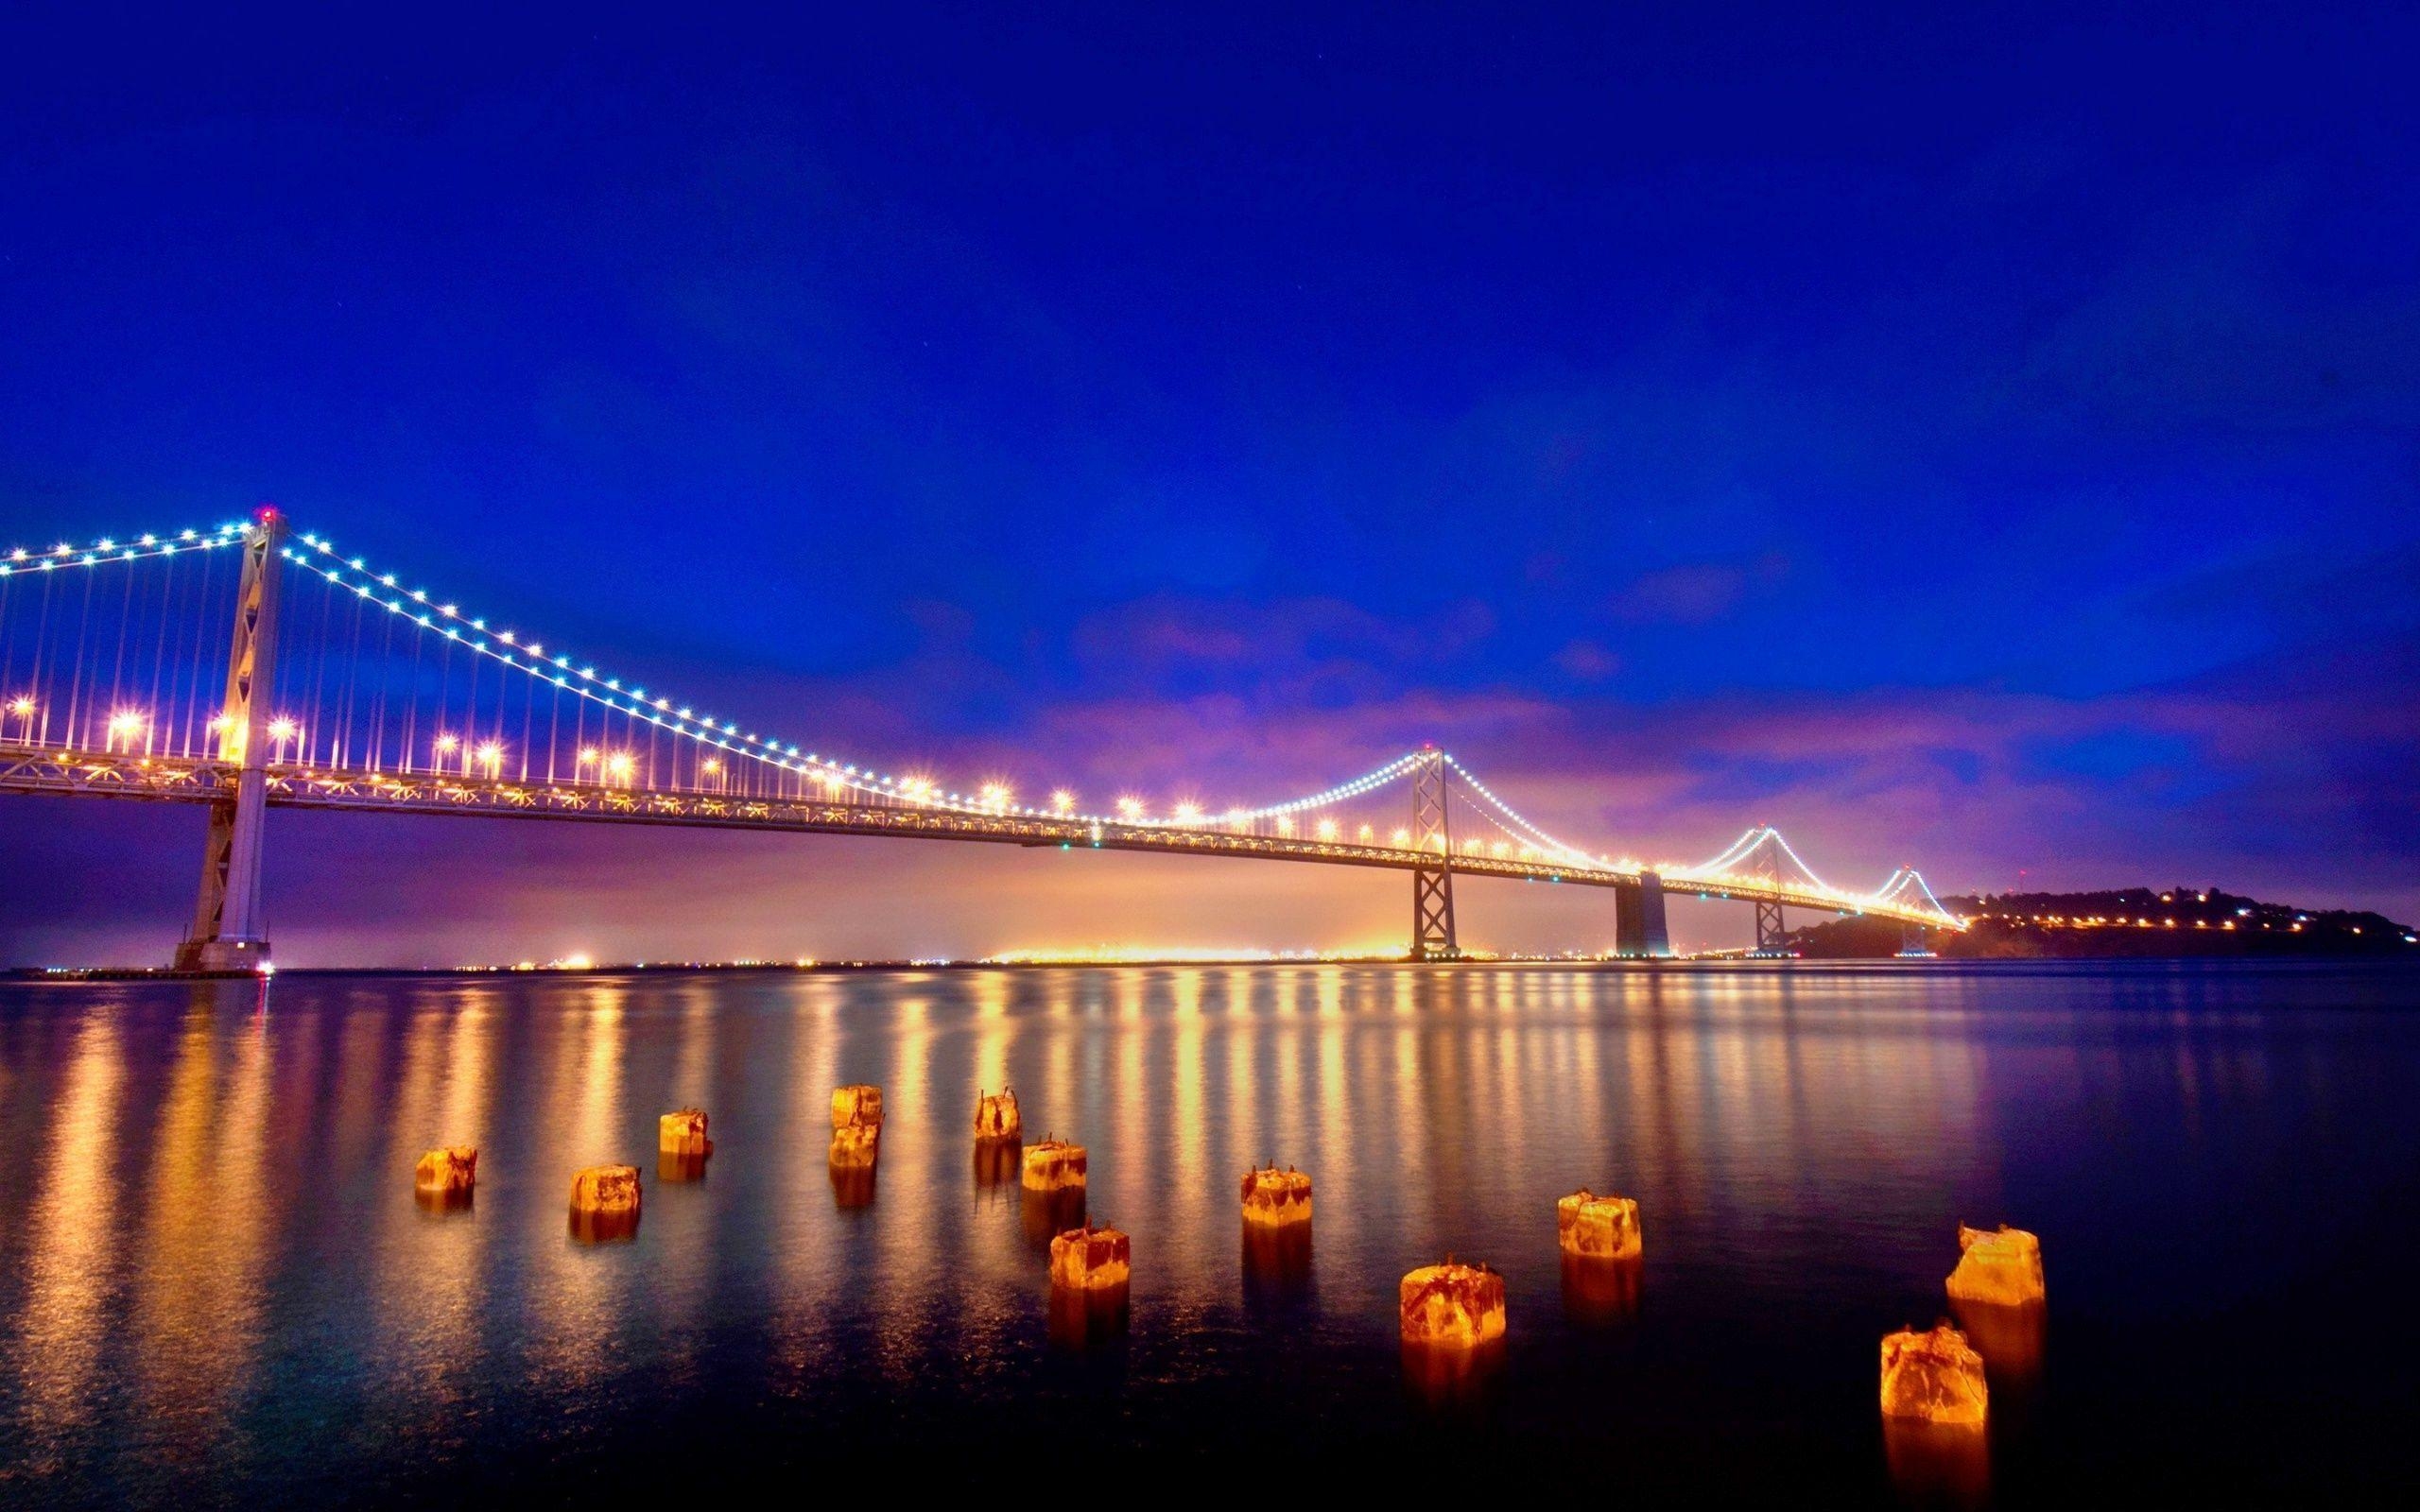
{"x": 58, "y": 771}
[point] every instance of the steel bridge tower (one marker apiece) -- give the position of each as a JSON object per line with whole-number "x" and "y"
{"x": 1768, "y": 870}
{"x": 228, "y": 928}
{"x": 1432, "y": 886}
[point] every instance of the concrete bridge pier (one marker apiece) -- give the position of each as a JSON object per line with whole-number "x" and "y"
{"x": 1638, "y": 919}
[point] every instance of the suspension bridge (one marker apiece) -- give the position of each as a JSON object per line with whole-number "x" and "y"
{"x": 341, "y": 688}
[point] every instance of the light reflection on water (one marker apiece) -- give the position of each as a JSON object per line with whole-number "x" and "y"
{"x": 211, "y": 1268}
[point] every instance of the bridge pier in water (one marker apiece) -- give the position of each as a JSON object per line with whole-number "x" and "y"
{"x": 1768, "y": 929}
{"x": 229, "y": 929}
{"x": 1639, "y": 929}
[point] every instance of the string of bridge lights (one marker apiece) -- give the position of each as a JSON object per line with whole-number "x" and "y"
{"x": 20, "y": 561}
{"x": 1900, "y": 881}
{"x": 1733, "y": 853}
{"x": 1730, "y": 852}
{"x": 318, "y": 556}
{"x": 1569, "y": 850}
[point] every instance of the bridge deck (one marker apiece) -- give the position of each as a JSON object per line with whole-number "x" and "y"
{"x": 43, "y": 769}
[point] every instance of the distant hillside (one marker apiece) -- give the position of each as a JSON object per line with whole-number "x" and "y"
{"x": 2135, "y": 921}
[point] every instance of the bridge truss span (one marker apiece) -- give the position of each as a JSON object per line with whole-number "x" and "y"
{"x": 186, "y": 780}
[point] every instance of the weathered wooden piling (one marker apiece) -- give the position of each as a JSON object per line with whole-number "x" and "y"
{"x": 605, "y": 1202}
{"x": 1933, "y": 1377}
{"x": 1274, "y": 1197}
{"x": 1053, "y": 1165}
{"x": 997, "y": 1117}
{"x": 683, "y": 1133}
{"x": 858, "y": 1107}
{"x": 2003, "y": 1268}
{"x": 447, "y": 1173}
{"x": 1595, "y": 1228}
{"x": 1090, "y": 1259}
{"x": 1452, "y": 1306}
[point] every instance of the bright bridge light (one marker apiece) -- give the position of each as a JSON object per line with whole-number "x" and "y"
{"x": 1062, "y": 801}
{"x": 491, "y": 755}
{"x": 1326, "y": 830}
{"x": 588, "y": 755}
{"x": 1130, "y": 807}
{"x": 1188, "y": 813}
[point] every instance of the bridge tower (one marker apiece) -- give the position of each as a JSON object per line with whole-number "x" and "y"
{"x": 1767, "y": 868}
{"x": 1432, "y": 886}
{"x": 228, "y": 926}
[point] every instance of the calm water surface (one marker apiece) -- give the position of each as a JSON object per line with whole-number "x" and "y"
{"x": 216, "y": 1285}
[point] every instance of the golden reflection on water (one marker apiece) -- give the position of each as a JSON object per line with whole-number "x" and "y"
{"x": 430, "y": 1268}
{"x": 206, "y": 1217}
{"x": 579, "y": 1295}
{"x": 74, "y": 1222}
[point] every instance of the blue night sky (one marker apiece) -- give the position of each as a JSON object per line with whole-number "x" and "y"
{"x": 1989, "y": 439}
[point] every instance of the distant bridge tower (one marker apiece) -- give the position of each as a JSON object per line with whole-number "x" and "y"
{"x": 1432, "y": 886}
{"x": 228, "y": 927}
{"x": 1765, "y": 863}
